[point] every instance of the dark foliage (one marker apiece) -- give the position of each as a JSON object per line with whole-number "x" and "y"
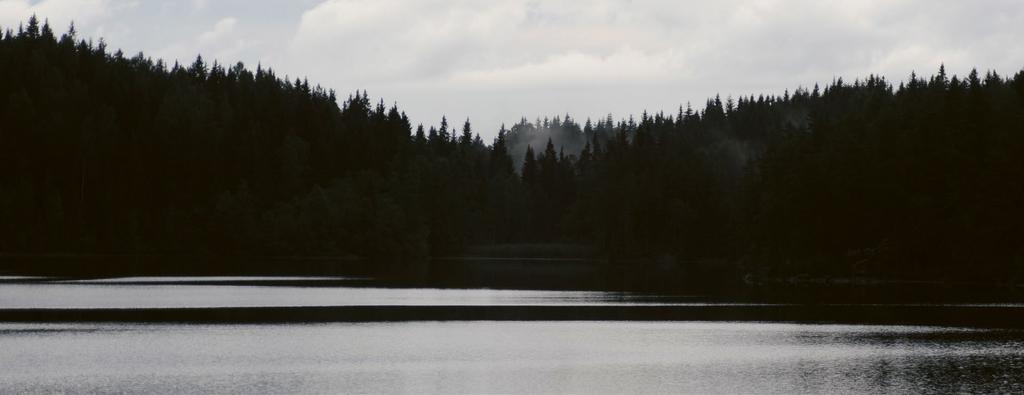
{"x": 107, "y": 153}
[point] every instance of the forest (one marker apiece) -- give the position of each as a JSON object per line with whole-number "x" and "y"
{"x": 104, "y": 152}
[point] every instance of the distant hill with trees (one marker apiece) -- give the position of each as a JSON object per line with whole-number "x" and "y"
{"x": 101, "y": 152}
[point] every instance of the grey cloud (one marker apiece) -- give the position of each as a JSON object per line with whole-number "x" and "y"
{"x": 495, "y": 61}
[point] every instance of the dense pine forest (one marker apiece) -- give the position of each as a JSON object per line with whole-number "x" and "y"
{"x": 104, "y": 152}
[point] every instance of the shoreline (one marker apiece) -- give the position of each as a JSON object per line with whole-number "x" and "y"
{"x": 973, "y": 316}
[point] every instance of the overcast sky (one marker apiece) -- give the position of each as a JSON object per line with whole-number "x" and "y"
{"x": 496, "y": 61}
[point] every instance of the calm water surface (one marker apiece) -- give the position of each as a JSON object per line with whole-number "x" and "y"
{"x": 468, "y": 356}
{"x": 164, "y": 292}
{"x": 507, "y": 357}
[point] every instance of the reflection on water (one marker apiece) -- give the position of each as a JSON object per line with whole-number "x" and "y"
{"x": 20, "y": 278}
{"x": 139, "y": 294}
{"x": 508, "y": 357}
{"x": 208, "y": 279}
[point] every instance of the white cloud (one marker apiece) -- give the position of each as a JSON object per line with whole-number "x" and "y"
{"x": 464, "y": 39}
{"x": 199, "y": 5}
{"x": 60, "y": 12}
{"x": 497, "y": 60}
{"x": 515, "y": 54}
{"x": 626, "y": 66}
{"x": 221, "y": 42}
{"x": 733, "y": 46}
{"x": 220, "y": 31}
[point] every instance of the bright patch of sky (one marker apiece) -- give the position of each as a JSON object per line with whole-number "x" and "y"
{"x": 497, "y": 61}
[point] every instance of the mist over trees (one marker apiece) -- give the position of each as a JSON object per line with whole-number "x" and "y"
{"x": 103, "y": 152}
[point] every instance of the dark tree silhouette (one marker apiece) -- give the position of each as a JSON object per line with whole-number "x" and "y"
{"x": 107, "y": 153}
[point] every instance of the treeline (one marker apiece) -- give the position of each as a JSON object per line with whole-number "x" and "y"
{"x": 107, "y": 153}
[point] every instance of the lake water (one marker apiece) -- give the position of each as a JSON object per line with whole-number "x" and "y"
{"x": 142, "y": 294}
{"x": 468, "y": 356}
{"x": 507, "y": 357}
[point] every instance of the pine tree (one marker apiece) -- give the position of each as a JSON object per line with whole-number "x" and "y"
{"x": 33, "y": 27}
{"x": 529, "y": 173}
{"x": 501, "y": 162}
{"x": 467, "y": 134}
